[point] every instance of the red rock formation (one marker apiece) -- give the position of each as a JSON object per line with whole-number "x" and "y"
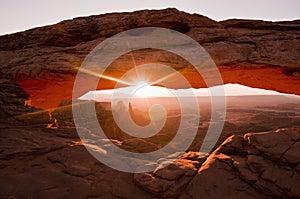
{"x": 254, "y": 53}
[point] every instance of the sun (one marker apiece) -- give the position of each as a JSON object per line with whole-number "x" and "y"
{"x": 145, "y": 90}
{"x": 141, "y": 84}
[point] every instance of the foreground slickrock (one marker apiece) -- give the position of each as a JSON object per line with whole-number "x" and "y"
{"x": 257, "y": 165}
{"x": 43, "y": 163}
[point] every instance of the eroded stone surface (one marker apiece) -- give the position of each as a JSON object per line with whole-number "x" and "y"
{"x": 257, "y": 165}
{"x": 52, "y": 162}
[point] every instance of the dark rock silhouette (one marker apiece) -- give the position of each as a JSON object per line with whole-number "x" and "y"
{"x": 15, "y": 109}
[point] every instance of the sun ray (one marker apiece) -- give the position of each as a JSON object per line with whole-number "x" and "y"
{"x": 164, "y": 78}
{"x": 49, "y": 110}
{"x": 104, "y": 76}
{"x": 133, "y": 61}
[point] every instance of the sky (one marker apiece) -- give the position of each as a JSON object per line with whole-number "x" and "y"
{"x": 19, "y": 15}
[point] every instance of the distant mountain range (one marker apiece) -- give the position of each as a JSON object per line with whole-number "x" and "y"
{"x": 147, "y": 91}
